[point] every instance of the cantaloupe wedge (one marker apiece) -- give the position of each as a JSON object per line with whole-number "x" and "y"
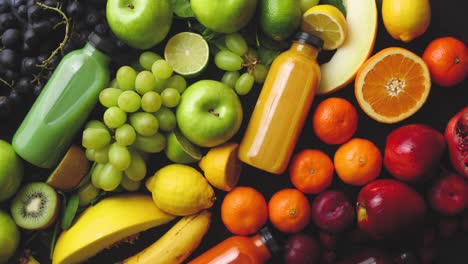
{"x": 361, "y": 17}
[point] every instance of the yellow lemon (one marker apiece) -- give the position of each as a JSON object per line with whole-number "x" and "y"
{"x": 221, "y": 166}
{"x": 326, "y": 22}
{"x": 181, "y": 190}
{"x": 406, "y": 20}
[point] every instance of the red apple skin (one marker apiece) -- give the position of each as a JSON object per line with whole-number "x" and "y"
{"x": 413, "y": 152}
{"x": 448, "y": 194}
{"x": 386, "y": 208}
{"x": 456, "y": 135}
{"x": 301, "y": 249}
{"x": 332, "y": 211}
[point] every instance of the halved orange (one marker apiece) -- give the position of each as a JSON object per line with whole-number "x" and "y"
{"x": 392, "y": 85}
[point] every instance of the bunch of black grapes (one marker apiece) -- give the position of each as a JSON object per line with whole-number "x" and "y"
{"x": 34, "y": 38}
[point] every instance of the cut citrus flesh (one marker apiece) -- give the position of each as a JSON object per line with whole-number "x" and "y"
{"x": 188, "y": 53}
{"x": 326, "y": 22}
{"x": 392, "y": 85}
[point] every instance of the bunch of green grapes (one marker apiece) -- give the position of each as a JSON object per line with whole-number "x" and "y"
{"x": 241, "y": 63}
{"x": 139, "y": 110}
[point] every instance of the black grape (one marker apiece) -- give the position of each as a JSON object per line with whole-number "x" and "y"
{"x": 35, "y": 13}
{"x": 22, "y": 11}
{"x": 7, "y": 21}
{"x": 15, "y": 97}
{"x": 30, "y": 37}
{"x": 5, "y": 106}
{"x": 9, "y": 58}
{"x": 28, "y": 66}
{"x": 42, "y": 27}
{"x": 11, "y": 38}
{"x": 24, "y": 85}
{"x": 74, "y": 8}
{"x": 11, "y": 75}
{"x": 4, "y": 7}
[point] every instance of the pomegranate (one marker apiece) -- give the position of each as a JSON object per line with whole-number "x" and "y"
{"x": 456, "y": 135}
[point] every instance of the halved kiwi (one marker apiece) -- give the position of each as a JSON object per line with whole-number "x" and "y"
{"x": 35, "y": 206}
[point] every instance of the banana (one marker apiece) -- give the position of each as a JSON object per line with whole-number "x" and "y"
{"x": 109, "y": 221}
{"x": 177, "y": 243}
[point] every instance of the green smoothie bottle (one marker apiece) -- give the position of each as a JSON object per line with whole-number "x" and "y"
{"x": 64, "y": 104}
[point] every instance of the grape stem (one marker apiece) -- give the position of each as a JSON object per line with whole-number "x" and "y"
{"x": 251, "y": 62}
{"x": 65, "y": 38}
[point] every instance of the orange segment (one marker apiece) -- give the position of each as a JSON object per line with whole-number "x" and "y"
{"x": 392, "y": 85}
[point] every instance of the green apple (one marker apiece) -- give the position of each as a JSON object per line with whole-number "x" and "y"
{"x": 225, "y": 16}
{"x": 139, "y": 23}
{"x": 209, "y": 113}
{"x": 11, "y": 171}
{"x": 9, "y": 237}
{"x": 306, "y": 4}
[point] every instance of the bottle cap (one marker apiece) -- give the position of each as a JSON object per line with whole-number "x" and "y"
{"x": 101, "y": 43}
{"x": 304, "y": 37}
{"x": 270, "y": 240}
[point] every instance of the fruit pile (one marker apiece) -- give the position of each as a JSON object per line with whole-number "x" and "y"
{"x": 160, "y": 162}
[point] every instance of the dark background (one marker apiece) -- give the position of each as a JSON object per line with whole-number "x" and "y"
{"x": 448, "y": 19}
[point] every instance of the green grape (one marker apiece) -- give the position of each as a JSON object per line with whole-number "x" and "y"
{"x": 177, "y": 82}
{"x": 109, "y": 177}
{"x": 95, "y": 124}
{"x": 145, "y": 82}
{"x": 125, "y": 135}
{"x": 244, "y": 84}
{"x": 151, "y": 102}
{"x": 160, "y": 85}
{"x": 230, "y": 78}
{"x": 95, "y": 138}
{"x": 129, "y": 101}
{"x": 119, "y": 156}
{"x": 252, "y": 53}
{"x": 126, "y": 76}
{"x": 108, "y": 97}
{"x": 236, "y": 43}
{"x": 170, "y": 97}
{"x": 167, "y": 119}
{"x": 113, "y": 83}
{"x": 147, "y": 59}
{"x": 260, "y": 72}
{"x": 89, "y": 154}
{"x": 137, "y": 169}
{"x": 228, "y": 61}
{"x": 87, "y": 193}
{"x": 95, "y": 175}
{"x": 145, "y": 124}
{"x": 153, "y": 144}
{"x": 129, "y": 184}
{"x": 162, "y": 69}
{"x": 114, "y": 117}
{"x": 102, "y": 155}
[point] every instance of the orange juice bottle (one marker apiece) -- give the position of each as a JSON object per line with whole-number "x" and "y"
{"x": 282, "y": 106}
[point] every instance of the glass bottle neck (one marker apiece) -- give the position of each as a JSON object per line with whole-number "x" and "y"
{"x": 92, "y": 51}
{"x": 305, "y": 49}
{"x": 262, "y": 250}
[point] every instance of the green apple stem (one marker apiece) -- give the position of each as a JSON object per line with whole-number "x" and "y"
{"x": 131, "y": 6}
{"x": 213, "y": 112}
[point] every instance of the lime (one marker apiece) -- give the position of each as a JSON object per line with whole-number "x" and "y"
{"x": 181, "y": 150}
{"x": 326, "y": 22}
{"x": 279, "y": 19}
{"x": 188, "y": 53}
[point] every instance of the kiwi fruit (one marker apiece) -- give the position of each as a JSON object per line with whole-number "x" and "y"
{"x": 35, "y": 206}
{"x": 71, "y": 169}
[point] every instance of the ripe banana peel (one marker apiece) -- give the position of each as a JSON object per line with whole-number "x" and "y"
{"x": 177, "y": 243}
{"x": 109, "y": 221}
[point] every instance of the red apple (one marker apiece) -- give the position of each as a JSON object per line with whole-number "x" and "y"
{"x": 301, "y": 249}
{"x": 448, "y": 194}
{"x": 413, "y": 152}
{"x": 329, "y": 241}
{"x": 386, "y": 208}
{"x": 332, "y": 211}
{"x": 456, "y": 135}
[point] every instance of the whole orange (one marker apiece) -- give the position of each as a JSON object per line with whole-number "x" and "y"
{"x": 289, "y": 210}
{"x": 311, "y": 171}
{"x": 358, "y": 161}
{"x": 335, "y": 120}
{"x": 244, "y": 210}
{"x": 447, "y": 60}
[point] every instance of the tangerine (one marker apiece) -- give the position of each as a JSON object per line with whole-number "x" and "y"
{"x": 358, "y": 161}
{"x": 244, "y": 210}
{"x": 311, "y": 171}
{"x": 289, "y": 210}
{"x": 335, "y": 120}
{"x": 447, "y": 59}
